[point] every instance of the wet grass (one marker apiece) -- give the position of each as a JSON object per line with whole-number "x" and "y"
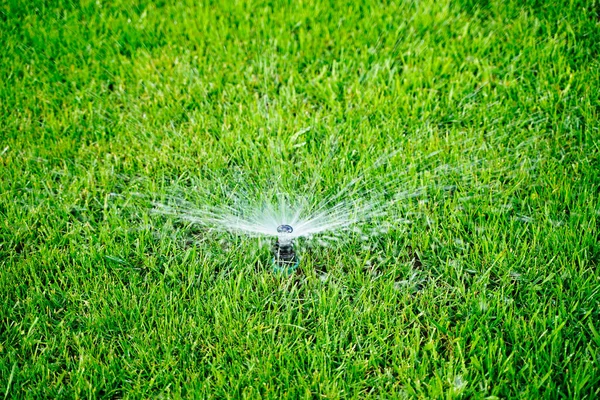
{"x": 486, "y": 284}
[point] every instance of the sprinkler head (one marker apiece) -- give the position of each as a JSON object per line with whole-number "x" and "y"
{"x": 285, "y": 229}
{"x": 284, "y": 256}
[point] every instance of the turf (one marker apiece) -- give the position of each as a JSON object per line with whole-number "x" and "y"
{"x": 486, "y": 284}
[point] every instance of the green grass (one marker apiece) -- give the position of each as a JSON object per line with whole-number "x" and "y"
{"x": 493, "y": 290}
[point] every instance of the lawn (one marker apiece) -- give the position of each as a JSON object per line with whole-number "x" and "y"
{"x": 472, "y": 127}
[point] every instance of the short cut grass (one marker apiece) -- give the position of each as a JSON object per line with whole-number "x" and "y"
{"x": 485, "y": 285}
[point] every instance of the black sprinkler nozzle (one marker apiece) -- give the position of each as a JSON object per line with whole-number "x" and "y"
{"x": 285, "y": 259}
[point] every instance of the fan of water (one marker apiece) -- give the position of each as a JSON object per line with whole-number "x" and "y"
{"x": 331, "y": 215}
{"x": 276, "y": 215}
{"x": 322, "y": 215}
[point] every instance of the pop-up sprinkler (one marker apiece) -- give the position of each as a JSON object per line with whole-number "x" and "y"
{"x": 285, "y": 259}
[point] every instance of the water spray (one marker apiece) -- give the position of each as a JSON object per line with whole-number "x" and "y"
{"x": 284, "y": 256}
